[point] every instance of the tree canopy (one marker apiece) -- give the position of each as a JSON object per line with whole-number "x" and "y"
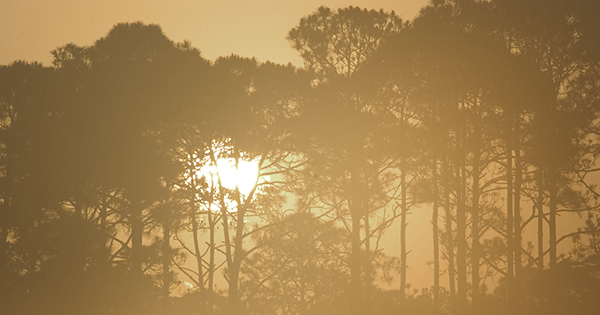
{"x": 138, "y": 177}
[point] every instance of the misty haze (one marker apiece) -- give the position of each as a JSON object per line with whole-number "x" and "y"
{"x": 441, "y": 161}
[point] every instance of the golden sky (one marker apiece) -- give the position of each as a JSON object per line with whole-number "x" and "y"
{"x": 30, "y": 29}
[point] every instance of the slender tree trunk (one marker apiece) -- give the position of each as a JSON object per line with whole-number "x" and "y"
{"x": 229, "y": 258}
{"x": 211, "y": 262}
{"x": 403, "y": 229}
{"x": 517, "y": 217}
{"x": 367, "y": 257}
{"x": 227, "y": 241}
{"x": 234, "y": 272}
{"x": 436, "y": 242}
{"x": 450, "y": 238}
{"x": 356, "y": 297}
{"x": 461, "y": 226}
{"x": 137, "y": 230}
{"x": 355, "y": 269}
{"x": 509, "y": 223}
{"x": 197, "y": 252}
{"x": 194, "y": 219}
{"x": 166, "y": 262}
{"x": 540, "y": 221}
{"x": 475, "y": 251}
{"x": 234, "y": 278}
{"x": 303, "y": 303}
{"x": 552, "y": 216}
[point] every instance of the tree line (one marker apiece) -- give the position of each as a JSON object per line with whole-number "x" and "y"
{"x": 487, "y": 113}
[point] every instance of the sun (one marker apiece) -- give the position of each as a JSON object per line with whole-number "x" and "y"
{"x": 244, "y": 177}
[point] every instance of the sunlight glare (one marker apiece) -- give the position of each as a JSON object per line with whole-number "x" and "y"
{"x": 244, "y": 178}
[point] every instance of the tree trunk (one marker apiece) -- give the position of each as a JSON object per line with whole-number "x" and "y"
{"x": 552, "y": 183}
{"x": 475, "y": 252}
{"x": 197, "y": 251}
{"x": 367, "y": 257}
{"x": 356, "y": 298}
{"x": 450, "y": 238}
{"x": 136, "y": 273}
{"x": 540, "y": 221}
{"x": 436, "y": 242}
{"x": 461, "y": 226}
{"x": 229, "y": 258}
{"x": 403, "y": 230}
{"x": 517, "y": 217}
{"x": 166, "y": 262}
{"x": 211, "y": 263}
{"x": 509, "y": 223}
{"x": 238, "y": 256}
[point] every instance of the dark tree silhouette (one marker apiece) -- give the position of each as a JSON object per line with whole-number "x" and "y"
{"x": 114, "y": 200}
{"x": 334, "y": 46}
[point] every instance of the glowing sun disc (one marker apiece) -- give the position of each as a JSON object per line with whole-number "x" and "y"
{"x": 244, "y": 177}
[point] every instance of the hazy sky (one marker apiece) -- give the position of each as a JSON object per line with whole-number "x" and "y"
{"x": 30, "y": 29}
